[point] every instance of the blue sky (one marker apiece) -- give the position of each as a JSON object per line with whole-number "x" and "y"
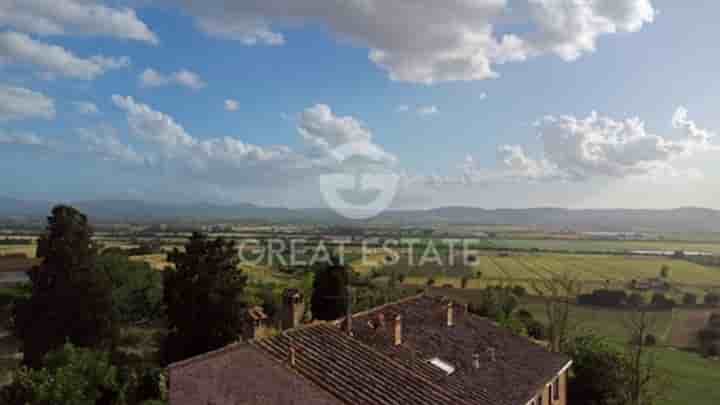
{"x": 484, "y": 102}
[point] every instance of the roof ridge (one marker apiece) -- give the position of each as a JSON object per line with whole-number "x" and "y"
{"x": 385, "y": 305}
{"x": 204, "y": 356}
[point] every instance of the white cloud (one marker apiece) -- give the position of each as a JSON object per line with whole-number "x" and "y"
{"x": 428, "y": 110}
{"x": 152, "y": 78}
{"x": 103, "y": 142}
{"x": 221, "y": 156}
{"x": 602, "y": 146}
{"x": 19, "y": 48}
{"x": 698, "y": 137}
{"x": 85, "y": 107}
{"x": 21, "y": 138}
{"x": 324, "y": 132}
{"x": 433, "y": 41}
{"x": 18, "y": 103}
{"x": 249, "y": 31}
{"x": 73, "y": 17}
{"x": 580, "y": 149}
{"x": 153, "y": 126}
{"x": 482, "y": 96}
{"x": 403, "y": 108}
{"x": 231, "y": 105}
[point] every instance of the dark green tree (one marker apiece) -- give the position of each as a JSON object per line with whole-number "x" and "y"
{"x": 203, "y": 297}
{"x": 70, "y": 376}
{"x": 329, "y": 299}
{"x": 599, "y": 374}
{"x": 71, "y": 301}
{"x": 136, "y": 287}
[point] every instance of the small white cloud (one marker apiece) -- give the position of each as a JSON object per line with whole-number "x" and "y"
{"x": 17, "y": 103}
{"x": 483, "y": 96}
{"x": 21, "y": 138}
{"x": 85, "y": 107}
{"x": 231, "y": 105}
{"x": 403, "y": 108}
{"x": 428, "y": 110}
{"x": 186, "y": 78}
{"x": 17, "y": 48}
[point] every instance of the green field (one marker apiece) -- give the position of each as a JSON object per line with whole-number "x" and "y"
{"x": 586, "y": 245}
{"x": 593, "y": 270}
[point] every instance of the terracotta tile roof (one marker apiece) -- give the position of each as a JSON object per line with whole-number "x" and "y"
{"x": 241, "y": 374}
{"x": 367, "y": 368}
{"x": 354, "y": 372}
{"x": 519, "y": 368}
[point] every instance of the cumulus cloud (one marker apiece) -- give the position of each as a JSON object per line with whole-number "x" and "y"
{"x": 186, "y": 78}
{"x": 602, "y": 146}
{"x": 697, "y": 136}
{"x": 198, "y": 155}
{"x": 74, "y": 17}
{"x": 579, "y": 149}
{"x": 18, "y": 103}
{"x": 104, "y": 143}
{"x": 85, "y": 107}
{"x": 18, "y": 48}
{"x": 433, "y": 41}
{"x": 231, "y": 105}
{"x": 403, "y": 108}
{"x": 327, "y": 133}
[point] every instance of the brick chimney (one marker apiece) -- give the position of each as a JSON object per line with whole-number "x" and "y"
{"x": 348, "y": 312}
{"x": 397, "y": 335}
{"x": 491, "y": 353}
{"x": 293, "y": 309}
{"x": 476, "y": 361}
{"x": 293, "y": 356}
{"x": 450, "y": 320}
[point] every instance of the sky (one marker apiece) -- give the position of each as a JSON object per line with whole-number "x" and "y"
{"x": 488, "y": 103}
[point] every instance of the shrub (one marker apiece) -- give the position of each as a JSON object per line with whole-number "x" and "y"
{"x": 689, "y": 299}
{"x": 650, "y": 340}
{"x": 712, "y": 299}
{"x": 635, "y": 300}
{"x": 604, "y": 297}
{"x": 660, "y": 301}
{"x": 519, "y": 291}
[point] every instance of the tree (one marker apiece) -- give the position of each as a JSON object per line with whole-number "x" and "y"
{"x": 464, "y": 281}
{"x": 430, "y": 282}
{"x": 599, "y": 373}
{"x": 645, "y": 381}
{"x": 329, "y": 299}
{"x": 665, "y": 271}
{"x": 136, "y": 287}
{"x": 70, "y": 301}
{"x": 70, "y": 376}
{"x": 557, "y": 293}
{"x": 203, "y": 296}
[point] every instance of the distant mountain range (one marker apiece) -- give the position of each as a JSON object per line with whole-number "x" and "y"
{"x": 674, "y": 220}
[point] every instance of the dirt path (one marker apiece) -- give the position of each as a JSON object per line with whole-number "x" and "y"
{"x": 685, "y": 327}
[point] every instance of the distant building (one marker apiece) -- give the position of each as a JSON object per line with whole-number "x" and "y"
{"x": 418, "y": 351}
